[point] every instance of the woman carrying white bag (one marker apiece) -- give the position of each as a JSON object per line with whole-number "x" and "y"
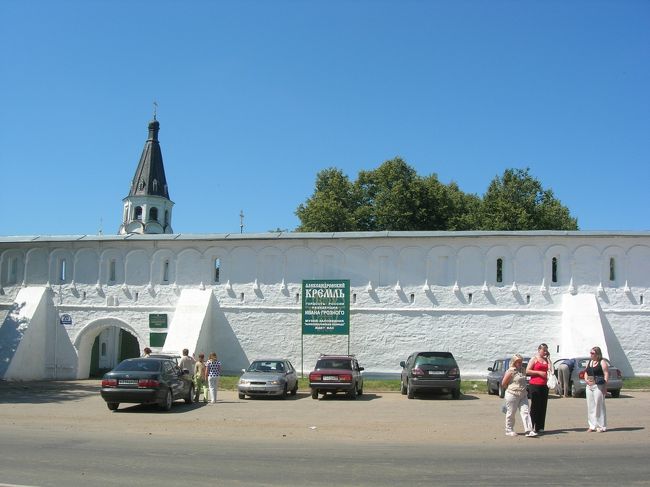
{"x": 514, "y": 382}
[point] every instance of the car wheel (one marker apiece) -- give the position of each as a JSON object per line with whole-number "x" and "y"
{"x": 616, "y": 392}
{"x": 402, "y": 387}
{"x": 166, "y": 404}
{"x": 502, "y": 392}
{"x": 285, "y": 391}
{"x": 189, "y": 399}
{"x": 410, "y": 393}
{"x": 352, "y": 393}
{"x": 294, "y": 391}
{"x": 360, "y": 391}
{"x": 455, "y": 393}
{"x": 113, "y": 405}
{"x": 314, "y": 393}
{"x": 241, "y": 396}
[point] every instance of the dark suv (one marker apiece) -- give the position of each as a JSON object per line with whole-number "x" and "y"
{"x": 430, "y": 371}
{"x": 336, "y": 373}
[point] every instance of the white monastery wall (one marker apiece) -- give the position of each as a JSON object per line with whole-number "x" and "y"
{"x": 410, "y": 291}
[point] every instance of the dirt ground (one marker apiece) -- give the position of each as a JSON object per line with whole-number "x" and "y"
{"x": 373, "y": 417}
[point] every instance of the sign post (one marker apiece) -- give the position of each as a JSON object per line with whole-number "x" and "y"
{"x": 325, "y": 308}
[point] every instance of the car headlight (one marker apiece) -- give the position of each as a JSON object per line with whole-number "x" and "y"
{"x": 275, "y": 382}
{"x": 244, "y": 382}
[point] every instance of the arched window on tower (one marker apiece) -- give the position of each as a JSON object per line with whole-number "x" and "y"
{"x": 153, "y": 214}
{"x": 554, "y": 270}
{"x": 138, "y": 213}
{"x": 166, "y": 217}
{"x": 612, "y": 269}
{"x": 499, "y": 270}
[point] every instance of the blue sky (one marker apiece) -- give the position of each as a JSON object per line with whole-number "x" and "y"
{"x": 255, "y": 97}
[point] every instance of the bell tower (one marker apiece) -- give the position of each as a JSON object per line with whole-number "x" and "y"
{"x": 147, "y": 208}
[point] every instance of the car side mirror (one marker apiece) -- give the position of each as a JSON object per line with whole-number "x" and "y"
{"x": 402, "y": 364}
{"x": 490, "y": 369}
{"x": 243, "y": 371}
{"x": 361, "y": 368}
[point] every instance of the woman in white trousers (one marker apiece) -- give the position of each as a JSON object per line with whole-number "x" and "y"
{"x": 596, "y": 377}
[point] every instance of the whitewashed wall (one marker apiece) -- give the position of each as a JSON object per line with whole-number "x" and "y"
{"x": 412, "y": 292}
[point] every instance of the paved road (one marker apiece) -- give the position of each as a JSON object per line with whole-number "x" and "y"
{"x": 62, "y": 434}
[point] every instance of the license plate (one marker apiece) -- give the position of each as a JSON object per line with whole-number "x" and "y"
{"x": 330, "y": 377}
{"x": 128, "y": 382}
{"x": 437, "y": 372}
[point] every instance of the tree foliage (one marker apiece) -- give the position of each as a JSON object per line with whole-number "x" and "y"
{"x": 517, "y": 201}
{"x": 395, "y": 197}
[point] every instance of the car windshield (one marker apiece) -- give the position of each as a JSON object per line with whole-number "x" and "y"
{"x": 139, "y": 365}
{"x": 266, "y": 366}
{"x": 345, "y": 364}
{"x": 435, "y": 359}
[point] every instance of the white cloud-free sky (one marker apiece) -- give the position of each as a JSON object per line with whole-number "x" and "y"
{"x": 255, "y": 97}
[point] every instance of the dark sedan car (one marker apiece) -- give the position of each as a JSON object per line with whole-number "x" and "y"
{"x": 496, "y": 373}
{"x": 151, "y": 380}
{"x": 336, "y": 373}
{"x": 430, "y": 371}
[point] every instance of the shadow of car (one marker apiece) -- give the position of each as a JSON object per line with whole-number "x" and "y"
{"x": 496, "y": 373}
{"x": 430, "y": 371}
{"x": 147, "y": 380}
{"x": 577, "y": 384}
{"x": 268, "y": 377}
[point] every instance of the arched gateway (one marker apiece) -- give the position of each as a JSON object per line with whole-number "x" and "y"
{"x": 103, "y": 343}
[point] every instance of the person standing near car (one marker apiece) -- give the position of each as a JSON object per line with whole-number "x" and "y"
{"x": 187, "y": 362}
{"x": 537, "y": 369}
{"x": 212, "y": 374}
{"x": 514, "y": 382}
{"x": 200, "y": 385}
{"x": 564, "y": 370}
{"x": 596, "y": 377}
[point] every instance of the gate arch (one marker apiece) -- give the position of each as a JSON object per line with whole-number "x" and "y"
{"x": 85, "y": 338}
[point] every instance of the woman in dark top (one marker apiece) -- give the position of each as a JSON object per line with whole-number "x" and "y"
{"x": 537, "y": 369}
{"x": 596, "y": 377}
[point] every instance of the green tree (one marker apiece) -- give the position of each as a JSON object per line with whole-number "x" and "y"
{"x": 517, "y": 201}
{"x": 332, "y": 206}
{"x": 391, "y": 197}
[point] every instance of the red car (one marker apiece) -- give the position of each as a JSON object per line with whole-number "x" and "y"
{"x": 336, "y": 373}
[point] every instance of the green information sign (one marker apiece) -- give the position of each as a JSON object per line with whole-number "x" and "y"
{"x": 326, "y": 307}
{"x": 157, "y": 321}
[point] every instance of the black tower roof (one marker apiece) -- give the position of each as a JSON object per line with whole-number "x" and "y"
{"x": 149, "y": 179}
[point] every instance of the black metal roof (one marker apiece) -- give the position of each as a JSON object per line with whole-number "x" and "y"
{"x": 149, "y": 179}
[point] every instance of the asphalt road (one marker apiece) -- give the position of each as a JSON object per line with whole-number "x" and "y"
{"x": 63, "y": 434}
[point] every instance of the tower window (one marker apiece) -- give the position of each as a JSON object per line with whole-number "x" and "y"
{"x": 13, "y": 271}
{"x": 499, "y": 270}
{"x": 217, "y": 269}
{"x": 111, "y": 270}
{"x": 138, "y": 213}
{"x": 612, "y": 269}
{"x": 166, "y": 271}
{"x": 166, "y": 217}
{"x": 62, "y": 270}
{"x": 470, "y": 297}
{"x": 153, "y": 214}
{"x": 554, "y": 270}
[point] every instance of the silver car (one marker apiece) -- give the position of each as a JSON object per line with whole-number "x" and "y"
{"x": 577, "y": 382}
{"x": 268, "y": 377}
